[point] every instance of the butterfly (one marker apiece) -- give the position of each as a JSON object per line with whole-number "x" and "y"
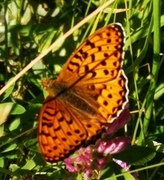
{"x": 89, "y": 93}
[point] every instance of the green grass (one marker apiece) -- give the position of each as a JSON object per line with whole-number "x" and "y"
{"x": 27, "y": 31}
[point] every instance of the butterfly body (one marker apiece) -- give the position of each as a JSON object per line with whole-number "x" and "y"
{"x": 90, "y": 92}
{"x": 74, "y": 97}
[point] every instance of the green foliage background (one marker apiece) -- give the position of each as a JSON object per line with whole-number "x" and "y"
{"x": 27, "y": 28}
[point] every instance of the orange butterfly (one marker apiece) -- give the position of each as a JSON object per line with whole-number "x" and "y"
{"x": 90, "y": 92}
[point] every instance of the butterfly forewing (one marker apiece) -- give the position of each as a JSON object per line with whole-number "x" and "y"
{"x": 99, "y": 58}
{"x": 61, "y": 131}
{"x": 90, "y": 91}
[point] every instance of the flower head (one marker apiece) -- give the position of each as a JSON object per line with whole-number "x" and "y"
{"x": 94, "y": 158}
